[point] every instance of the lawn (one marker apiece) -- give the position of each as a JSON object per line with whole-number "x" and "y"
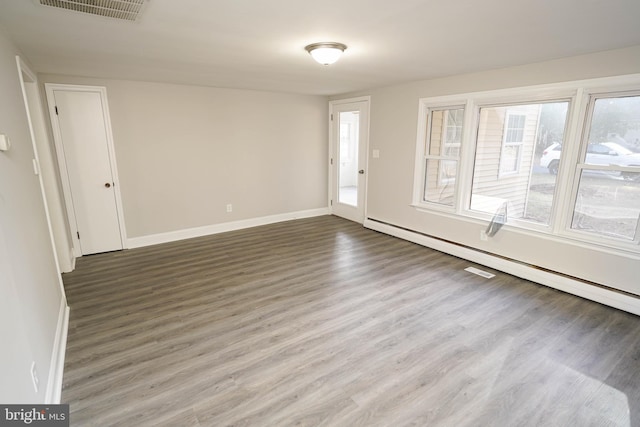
{"x": 606, "y": 204}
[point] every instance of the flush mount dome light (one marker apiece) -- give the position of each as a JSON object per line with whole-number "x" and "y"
{"x": 326, "y": 53}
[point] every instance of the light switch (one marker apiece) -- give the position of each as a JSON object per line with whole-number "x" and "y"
{"x": 376, "y": 154}
{"x": 5, "y": 144}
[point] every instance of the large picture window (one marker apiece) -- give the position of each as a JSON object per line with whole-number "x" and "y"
{"x": 563, "y": 161}
{"x": 506, "y": 168}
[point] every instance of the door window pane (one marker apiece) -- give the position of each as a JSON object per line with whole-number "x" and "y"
{"x": 348, "y": 168}
{"x": 508, "y": 164}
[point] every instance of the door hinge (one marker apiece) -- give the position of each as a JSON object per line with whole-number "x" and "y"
{"x": 332, "y": 161}
{"x": 56, "y": 110}
{"x": 331, "y": 202}
{"x": 78, "y": 234}
{"x": 332, "y": 117}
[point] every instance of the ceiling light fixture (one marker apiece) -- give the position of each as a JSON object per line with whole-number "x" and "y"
{"x": 326, "y": 53}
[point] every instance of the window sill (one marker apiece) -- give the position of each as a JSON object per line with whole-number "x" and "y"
{"x": 575, "y": 238}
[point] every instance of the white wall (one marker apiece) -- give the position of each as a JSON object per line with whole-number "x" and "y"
{"x": 31, "y": 297}
{"x": 393, "y": 125}
{"x": 185, "y": 152}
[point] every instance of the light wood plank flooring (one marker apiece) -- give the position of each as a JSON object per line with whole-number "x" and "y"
{"x": 322, "y": 322}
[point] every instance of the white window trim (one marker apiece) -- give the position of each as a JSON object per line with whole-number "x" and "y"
{"x": 522, "y": 96}
{"x": 422, "y": 154}
{"x": 589, "y": 103}
{"x": 559, "y": 228}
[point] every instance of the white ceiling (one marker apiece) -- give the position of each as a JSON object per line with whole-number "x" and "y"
{"x": 259, "y": 44}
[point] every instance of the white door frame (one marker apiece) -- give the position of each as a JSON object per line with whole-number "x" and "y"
{"x": 25, "y": 71}
{"x": 64, "y": 176}
{"x": 364, "y": 132}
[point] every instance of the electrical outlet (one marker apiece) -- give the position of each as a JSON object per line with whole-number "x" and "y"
{"x": 483, "y": 235}
{"x": 229, "y": 207}
{"x": 34, "y": 376}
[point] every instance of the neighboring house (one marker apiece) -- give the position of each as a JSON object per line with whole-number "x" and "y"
{"x": 504, "y": 158}
{"x": 505, "y": 149}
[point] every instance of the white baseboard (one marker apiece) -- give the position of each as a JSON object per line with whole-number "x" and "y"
{"x": 172, "y": 236}
{"x": 582, "y": 289}
{"x": 56, "y": 368}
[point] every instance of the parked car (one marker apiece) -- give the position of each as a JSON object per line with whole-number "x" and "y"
{"x": 551, "y": 157}
{"x": 603, "y": 153}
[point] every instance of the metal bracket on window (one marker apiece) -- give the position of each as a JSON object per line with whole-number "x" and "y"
{"x": 498, "y": 220}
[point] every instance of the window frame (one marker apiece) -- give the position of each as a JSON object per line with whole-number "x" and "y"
{"x": 422, "y": 154}
{"x": 577, "y": 94}
{"x": 580, "y": 165}
{"x": 522, "y": 97}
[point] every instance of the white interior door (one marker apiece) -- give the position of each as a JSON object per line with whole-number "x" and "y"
{"x": 82, "y": 134}
{"x": 349, "y": 141}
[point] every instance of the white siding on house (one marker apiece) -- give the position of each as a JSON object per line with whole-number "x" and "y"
{"x": 488, "y": 180}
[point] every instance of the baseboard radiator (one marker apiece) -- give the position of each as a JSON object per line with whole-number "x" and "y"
{"x": 576, "y": 286}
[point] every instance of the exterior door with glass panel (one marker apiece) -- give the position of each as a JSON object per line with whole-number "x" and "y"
{"x": 349, "y": 133}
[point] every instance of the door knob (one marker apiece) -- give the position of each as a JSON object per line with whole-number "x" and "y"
{"x": 107, "y": 184}
{"x": 361, "y": 171}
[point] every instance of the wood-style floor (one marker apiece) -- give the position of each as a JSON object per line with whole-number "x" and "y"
{"x": 322, "y": 322}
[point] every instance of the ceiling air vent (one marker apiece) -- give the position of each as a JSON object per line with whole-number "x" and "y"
{"x": 127, "y": 10}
